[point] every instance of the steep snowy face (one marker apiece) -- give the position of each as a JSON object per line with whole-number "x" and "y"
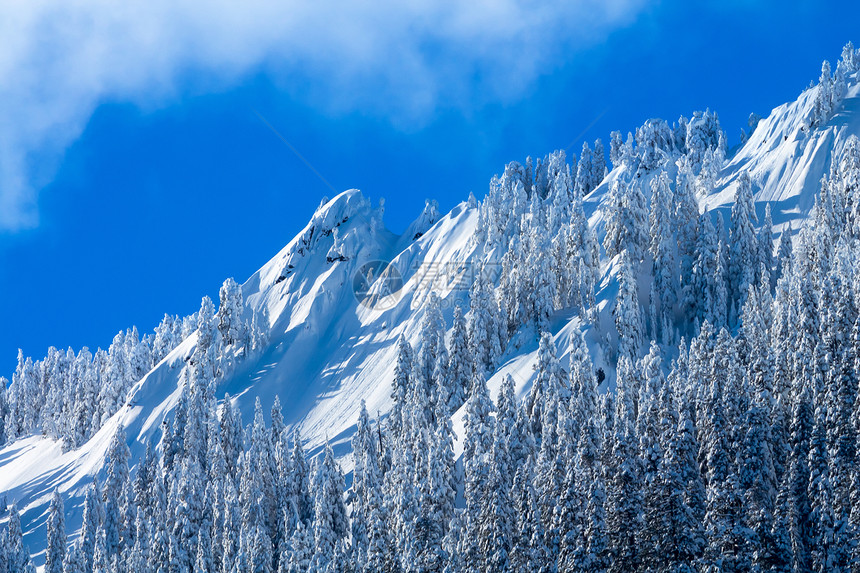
{"x": 787, "y": 155}
{"x": 337, "y": 297}
{"x": 333, "y": 302}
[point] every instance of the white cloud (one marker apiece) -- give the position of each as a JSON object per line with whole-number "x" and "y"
{"x": 60, "y": 59}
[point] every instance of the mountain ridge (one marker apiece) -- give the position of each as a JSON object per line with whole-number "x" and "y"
{"x": 328, "y": 349}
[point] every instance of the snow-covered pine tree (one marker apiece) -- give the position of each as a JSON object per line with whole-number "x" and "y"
{"x": 783, "y": 256}
{"x": 662, "y": 248}
{"x": 669, "y": 520}
{"x": 721, "y": 307}
{"x": 560, "y": 193}
{"x": 703, "y": 135}
{"x": 627, "y": 311}
{"x": 260, "y": 548}
{"x": 138, "y": 557}
{"x": 17, "y": 554}
{"x": 624, "y": 493}
{"x": 164, "y": 340}
{"x": 297, "y": 486}
{"x": 626, "y": 220}
{"x": 230, "y": 319}
{"x": 654, "y": 140}
{"x": 744, "y": 250}
{"x": 596, "y": 554}
{"x": 584, "y": 181}
{"x": 782, "y": 558}
{"x": 442, "y": 467}
{"x": 686, "y": 214}
{"x": 727, "y": 548}
{"x": 365, "y": 479}
{"x": 497, "y": 519}
{"x": 598, "y": 163}
{"x": 566, "y": 532}
{"x": 298, "y": 553}
{"x": 477, "y": 452}
{"x": 431, "y": 359}
{"x": 546, "y": 388}
{"x": 765, "y": 241}
{"x": 699, "y": 299}
{"x": 56, "y": 542}
{"x": 616, "y": 145}
{"x": 4, "y": 410}
{"x": 114, "y": 498}
{"x": 757, "y": 480}
{"x": 460, "y": 363}
{"x": 72, "y": 562}
{"x": 401, "y": 387}
{"x": 800, "y": 528}
{"x": 231, "y": 434}
{"x": 529, "y": 551}
{"x": 330, "y": 519}
{"x": 824, "y": 97}
{"x": 93, "y": 518}
{"x": 483, "y": 328}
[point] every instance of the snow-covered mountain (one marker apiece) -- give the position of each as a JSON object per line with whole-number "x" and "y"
{"x": 331, "y": 337}
{"x": 786, "y": 158}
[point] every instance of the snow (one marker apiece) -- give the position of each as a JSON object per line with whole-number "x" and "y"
{"x": 786, "y": 160}
{"x": 327, "y": 352}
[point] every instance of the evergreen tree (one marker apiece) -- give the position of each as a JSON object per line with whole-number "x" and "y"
{"x": 627, "y": 312}
{"x": 92, "y": 521}
{"x": 139, "y": 555}
{"x": 17, "y": 555}
{"x": 477, "y": 452}
{"x": 366, "y": 482}
{"x": 757, "y": 479}
{"x": 231, "y": 434}
{"x": 299, "y": 552}
{"x": 114, "y": 498}
{"x": 546, "y": 387}
{"x": 483, "y": 329}
{"x": 4, "y": 410}
{"x": 669, "y": 517}
{"x": 56, "y": 549}
{"x": 164, "y": 340}
{"x": 744, "y": 254}
{"x": 782, "y": 558}
{"x": 298, "y": 483}
{"x": 800, "y": 528}
{"x": 727, "y": 548}
{"x": 529, "y": 552}
{"x": 626, "y": 221}
{"x": 330, "y": 519}
{"x": 461, "y": 362}
{"x": 624, "y": 493}
{"x": 662, "y": 248}
{"x": 72, "y": 562}
{"x": 765, "y": 241}
{"x": 598, "y": 164}
{"x": 585, "y": 175}
{"x": 721, "y": 309}
{"x": 230, "y": 310}
{"x": 400, "y": 387}
{"x": 783, "y": 255}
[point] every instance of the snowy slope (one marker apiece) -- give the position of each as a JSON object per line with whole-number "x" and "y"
{"x": 327, "y": 351}
{"x": 786, "y": 160}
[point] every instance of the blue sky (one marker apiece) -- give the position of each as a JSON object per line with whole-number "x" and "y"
{"x": 134, "y": 178}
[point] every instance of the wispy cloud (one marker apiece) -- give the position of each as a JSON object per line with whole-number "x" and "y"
{"x": 60, "y": 59}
